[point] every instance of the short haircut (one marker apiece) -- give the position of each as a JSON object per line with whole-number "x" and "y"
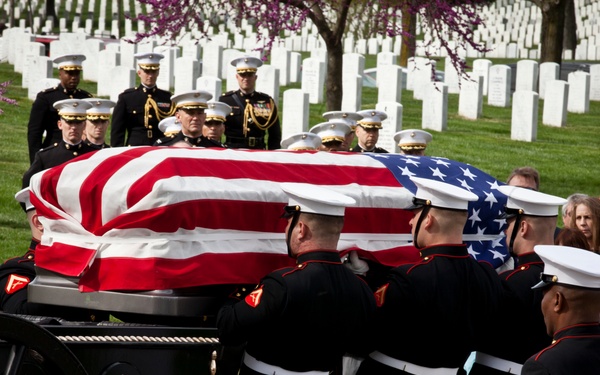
{"x": 527, "y": 172}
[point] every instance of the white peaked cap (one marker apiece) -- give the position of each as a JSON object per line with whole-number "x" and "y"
{"x": 149, "y": 60}
{"x": 413, "y": 139}
{"x": 569, "y": 265}
{"x": 246, "y": 64}
{"x": 22, "y": 196}
{"x": 317, "y": 200}
{"x": 372, "y": 118}
{"x": 100, "y": 108}
{"x": 192, "y": 99}
{"x": 169, "y": 125}
{"x": 217, "y": 111}
{"x": 70, "y": 62}
{"x": 301, "y": 141}
{"x": 443, "y": 195}
{"x": 72, "y": 109}
{"x": 331, "y": 131}
{"x": 531, "y": 202}
{"x": 350, "y": 118}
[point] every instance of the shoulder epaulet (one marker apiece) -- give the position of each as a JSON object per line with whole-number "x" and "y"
{"x": 228, "y": 93}
{"x": 132, "y": 89}
{"x": 49, "y": 89}
{"x": 52, "y": 146}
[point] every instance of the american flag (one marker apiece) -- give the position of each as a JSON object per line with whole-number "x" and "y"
{"x": 146, "y": 218}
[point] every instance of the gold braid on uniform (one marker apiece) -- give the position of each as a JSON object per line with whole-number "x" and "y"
{"x": 150, "y": 103}
{"x": 269, "y": 120}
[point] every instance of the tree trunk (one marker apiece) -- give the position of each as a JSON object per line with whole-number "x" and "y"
{"x": 50, "y": 12}
{"x": 553, "y": 21}
{"x": 570, "y": 35}
{"x": 409, "y": 25}
{"x": 11, "y": 13}
{"x": 333, "y": 80}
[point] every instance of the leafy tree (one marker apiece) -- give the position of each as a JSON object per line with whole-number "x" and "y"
{"x": 443, "y": 20}
{"x": 553, "y": 28}
{"x": 4, "y": 99}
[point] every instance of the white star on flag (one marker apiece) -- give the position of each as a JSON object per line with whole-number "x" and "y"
{"x": 442, "y": 162}
{"x": 497, "y": 242}
{"x": 437, "y": 173}
{"x": 472, "y": 252}
{"x": 464, "y": 184}
{"x": 468, "y": 173}
{"x": 497, "y": 254}
{"x": 490, "y": 197}
{"x": 474, "y": 217}
{"x": 493, "y": 185}
{"x": 501, "y": 222}
{"x": 411, "y": 161}
{"x": 406, "y": 172}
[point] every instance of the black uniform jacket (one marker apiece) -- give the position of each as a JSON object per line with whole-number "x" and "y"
{"x": 95, "y": 146}
{"x": 377, "y": 150}
{"x": 128, "y": 126}
{"x": 54, "y": 155}
{"x": 15, "y": 276}
{"x": 302, "y": 318}
{"x": 193, "y": 142}
{"x": 520, "y": 330}
{"x": 432, "y": 312}
{"x": 255, "y": 137}
{"x": 44, "y": 117}
{"x": 575, "y": 350}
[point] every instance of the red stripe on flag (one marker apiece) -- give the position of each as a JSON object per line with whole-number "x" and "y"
{"x": 233, "y": 215}
{"x": 255, "y": 170}
{"x": 90, "y": 193}
{"x": 201, "y": 270}
{"x": 65, "y": 259}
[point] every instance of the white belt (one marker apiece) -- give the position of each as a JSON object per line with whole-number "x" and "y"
{"x": 498, "y": 363}
{"x": 266, "y": 368}
{"x": 411, "y": 367}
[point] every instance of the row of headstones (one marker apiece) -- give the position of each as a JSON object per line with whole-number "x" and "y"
{"x": 417, "y": 76}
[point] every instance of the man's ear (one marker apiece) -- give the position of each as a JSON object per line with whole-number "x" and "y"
{"x": 428, "y": 221}
{"x": 559, "y": 303}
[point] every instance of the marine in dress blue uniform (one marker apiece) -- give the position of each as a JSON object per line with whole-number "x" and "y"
{"x": 350, "y": 119}
{"x": 413, "y": 141}
{"x": 301, "y": 142}
{"x": 571, "y": 288}
{"x": 72, "y": 114}
{"x": 139, "y": 110}
{"x": 254, "y": 117}
{"x": 303, "y": 318}
{"x": 98, "y": 117}
{"x": 17, "y": 273}
{"x": 43, "y": 116}
{"x": 519, "y": 330}
{"x": 367, "y": 131}
{"x": 190, "y": 115}
{"x": 431, "y": 313}
{"x": 333, "y": 135}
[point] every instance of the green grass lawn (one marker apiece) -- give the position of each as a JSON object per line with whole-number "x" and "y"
{"x": 568, "y": 158}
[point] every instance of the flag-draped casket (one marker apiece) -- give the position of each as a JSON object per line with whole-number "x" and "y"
{"x": 146, "y": 218}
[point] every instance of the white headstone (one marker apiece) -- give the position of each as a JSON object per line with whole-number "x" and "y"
{"x": 424, "y": 68}
{"x": 213, "y": 85}
{"x": 268, "y": 82}
{"x": 313, "y": 79}
{"x": 122, "y": 78}
{"x": 451, "y": 77}
{"x": 127, "y": 51}
{"x": 166, "y": 77}
{"x": 40, "y": 85}
{"x": 295, "y": 67}
{"x": 295, "y": 113}
{"x": 229, "y": 70}
{"x": 40, "y": 68}
{"x": 390, "y": 126}
{"x": 499, "y": 86}
{"x": 352, "y": 93}
{"x": 435, "y": 107}
{"x": 482, "y": 67}
{"x": 595, "y": 82}
{"x": 31, "y": 51}
{"x": 524, "y": 116}
{"x": 471, "y": 97}
{"x": 527, "y": 76}
{"x": 187, "y": 71}
{"x": 390, "y": 89}
{"x": 107, "y": 61}
{"x": 280, "y": 59}
{"x": 91, "y": 65}
{"x": 555, "y": 104}
{"x": 549, "y": 71}
{"x": 579, "y": 92}
{"x": 213, "y": 60}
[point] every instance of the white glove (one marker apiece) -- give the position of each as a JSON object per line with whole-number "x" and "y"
{"x": 356, "y": 265}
